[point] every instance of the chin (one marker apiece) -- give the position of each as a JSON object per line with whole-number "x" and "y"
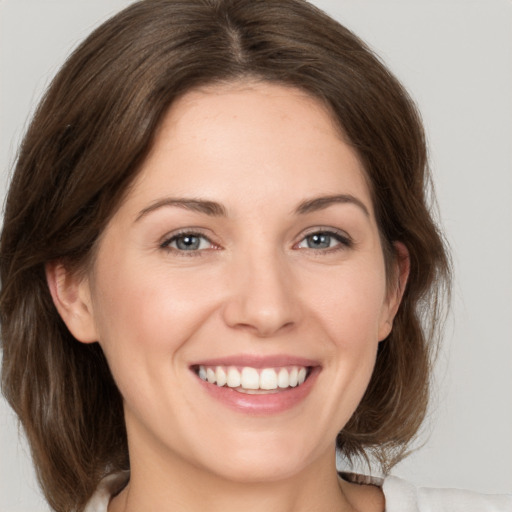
{"x": 258, "y": 469}
{"x": 264, "y": 458}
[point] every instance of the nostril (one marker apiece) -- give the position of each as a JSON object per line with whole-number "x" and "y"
{"x": 262, "y": 302}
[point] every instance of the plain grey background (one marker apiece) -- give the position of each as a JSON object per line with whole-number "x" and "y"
{"x": 455, "y": 56}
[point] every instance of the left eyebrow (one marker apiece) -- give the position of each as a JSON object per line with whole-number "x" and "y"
{"x": 322, "y": 202}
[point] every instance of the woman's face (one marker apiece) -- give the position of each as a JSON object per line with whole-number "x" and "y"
{"x": 247, "y": 251}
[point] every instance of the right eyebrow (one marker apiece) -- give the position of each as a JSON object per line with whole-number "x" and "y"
{"x": 197, "y": 205}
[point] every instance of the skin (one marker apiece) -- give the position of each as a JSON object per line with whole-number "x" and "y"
{"x": 254, "y": 286}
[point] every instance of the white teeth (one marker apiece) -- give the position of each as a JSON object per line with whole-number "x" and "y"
{"x": 233, "y": 380}
{"x": 210, "y": 376}
{"x": 221, "y": 376}
{"x": 252, "y": 379}
{"x": 294, "y": 374}
{"x": 268, "y": 379}
{"x": 257, "y": 391}
{"x": 283, "y": 379}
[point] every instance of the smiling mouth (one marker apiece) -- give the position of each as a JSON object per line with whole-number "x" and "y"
{"x": 254, "y": 380}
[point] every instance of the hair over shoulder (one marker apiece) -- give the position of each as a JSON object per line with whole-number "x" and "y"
{"x": 83, "y": 149}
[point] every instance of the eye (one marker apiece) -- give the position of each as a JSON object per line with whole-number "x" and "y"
{"x": 324, "y": 240}
{"x": 189, "y": 242}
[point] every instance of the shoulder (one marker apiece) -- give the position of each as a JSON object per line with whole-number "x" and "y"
{"x": 108, "y": 488}
{"x": 402, "y": 496}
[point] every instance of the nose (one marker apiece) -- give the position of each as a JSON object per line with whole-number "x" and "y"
{"x": 262, "y": 295}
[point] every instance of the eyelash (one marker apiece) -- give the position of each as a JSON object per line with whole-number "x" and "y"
{"x": 166, "y": 244}
{"x": 344, "y": 242}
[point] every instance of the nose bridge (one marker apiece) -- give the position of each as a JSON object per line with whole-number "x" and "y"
{"x": 262, "y": 298}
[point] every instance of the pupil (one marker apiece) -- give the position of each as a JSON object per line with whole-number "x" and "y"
{"x": 188, "y": 242}
{"x": 319, "y": 241}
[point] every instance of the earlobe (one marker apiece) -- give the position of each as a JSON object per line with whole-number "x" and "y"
{"x": 396, "y": 291}
{"x": 71, "y": 296}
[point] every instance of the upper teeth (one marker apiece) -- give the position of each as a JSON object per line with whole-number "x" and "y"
{"x": 252, "y": 378}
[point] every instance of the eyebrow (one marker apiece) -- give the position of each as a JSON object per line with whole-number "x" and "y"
{"x": 197, "y": 205}
{"x": 322, "y": 202}
{"x": 214, "y": 209}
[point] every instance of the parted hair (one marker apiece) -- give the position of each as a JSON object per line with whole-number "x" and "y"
{"x": 82, "y": 151}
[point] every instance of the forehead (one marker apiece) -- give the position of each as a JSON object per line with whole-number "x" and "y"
{"x": 236, "y": 99}
{"x": 252, "y": 139}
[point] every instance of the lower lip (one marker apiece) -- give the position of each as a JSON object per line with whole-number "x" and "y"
{"x": 261, "y": 404}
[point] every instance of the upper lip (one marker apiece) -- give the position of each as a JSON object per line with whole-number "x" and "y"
{"x": 257, "y": 361}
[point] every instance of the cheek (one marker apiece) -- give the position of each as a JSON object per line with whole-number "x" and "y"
{"x": 345, "y": 306}
{"x": 351, "y": 303}
{"x": 146, "y": 318}
{"x": 351, "y": 311}
{"x": 143, "y": 313}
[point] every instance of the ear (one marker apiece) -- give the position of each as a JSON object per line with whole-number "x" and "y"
{"x": 402, "y": 266}
{"x": 72, "y": 298}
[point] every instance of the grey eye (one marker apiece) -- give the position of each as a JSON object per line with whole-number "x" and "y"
{"x": 325, "y": 240}
{"x": 188, "y": 242}
{"x": 319, "y": 241}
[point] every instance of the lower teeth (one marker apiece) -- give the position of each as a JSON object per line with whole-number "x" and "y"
{"x": 257, "y": 391}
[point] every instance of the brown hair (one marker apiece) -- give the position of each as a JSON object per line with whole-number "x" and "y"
{"x": 82, "y": 151}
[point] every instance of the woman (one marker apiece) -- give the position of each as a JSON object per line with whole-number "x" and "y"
{"x": 230, "y": 271}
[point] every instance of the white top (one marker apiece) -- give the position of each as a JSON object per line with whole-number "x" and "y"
{"x": 400, "y": 496}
